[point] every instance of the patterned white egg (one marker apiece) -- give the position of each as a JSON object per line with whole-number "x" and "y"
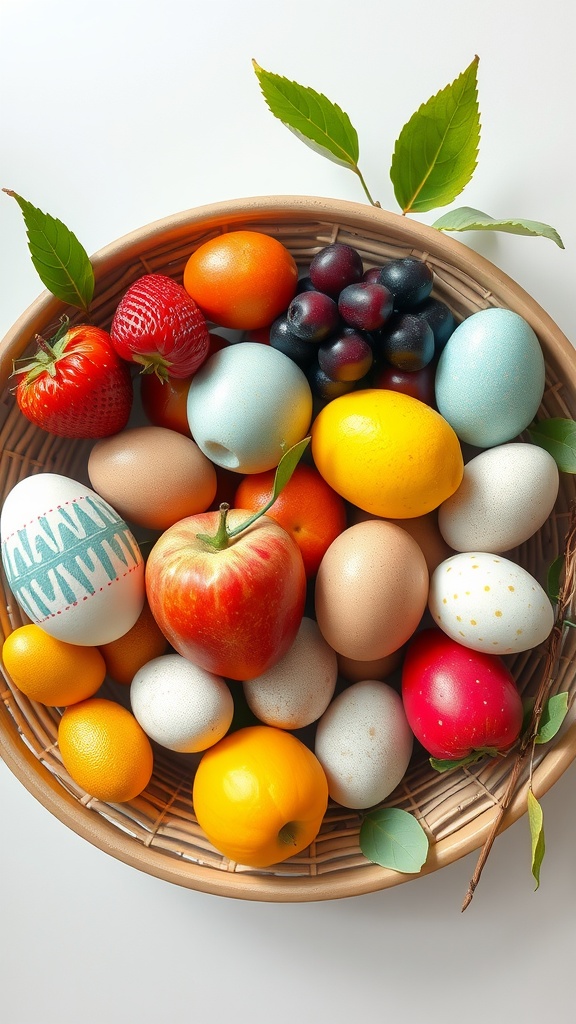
{"x": 506, "y": 495}
{"x": 71, "y": 562}
{"x": 489, "y": 603}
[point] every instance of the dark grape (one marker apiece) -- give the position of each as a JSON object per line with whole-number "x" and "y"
{"x": 304, "y": 285}
{"x": 282, "y": 338}
{"x": 324, "y": 387}
{"x": 312, "y": 316}
{"x": 409, "y": 279}
{"x": 440, "y": 318}
{"x": 371, "y": 275}
{"x": 334, "y": 267}
{"x": 406, "y": 341}
{"x": 364, "y": 305}
{"x": 347, "y": 356}
{"x": 416, "y": 383}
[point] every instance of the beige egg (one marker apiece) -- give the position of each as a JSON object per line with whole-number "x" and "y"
{"x": 297, "y": 690}
{"x": 371, "y": 590}
{"x": 380, "y": 668}
{"x": 152, "y": 476}
{"x": 424, "y": 529}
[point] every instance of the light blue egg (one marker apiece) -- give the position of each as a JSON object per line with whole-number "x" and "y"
{"x": 490, "y": 377}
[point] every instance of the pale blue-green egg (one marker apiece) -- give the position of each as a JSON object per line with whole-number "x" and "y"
{"x": 490, "y": 377}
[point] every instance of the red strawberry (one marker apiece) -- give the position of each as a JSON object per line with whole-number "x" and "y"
{"x": 76, "y": 385}
{"x": 158, "y": 325}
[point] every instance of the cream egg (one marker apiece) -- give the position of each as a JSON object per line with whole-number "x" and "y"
{"x": 489, "y": 603}
{"x": 71, "y": 562}
{"x": 364, "y": 743}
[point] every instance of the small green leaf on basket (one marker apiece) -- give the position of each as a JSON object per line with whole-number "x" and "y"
{"x": 467, "y": 219}
{"x": 317, "y": 122}
{"x": 553, "y": 714}
{"x": 436, "y": 152}
{"x": 553, "y": 578}
{"x": 394, "y": 839}
{"x": 558, "y": 437}
{"x": 536, "y": 822}
{"x": 60, "y": 260}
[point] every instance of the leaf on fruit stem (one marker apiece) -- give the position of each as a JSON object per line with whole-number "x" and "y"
{"x": 313, "y": 118}
{"x": 436, "y": 152}
{"x": 553, "y": 714}
{"x": 394, "y": 839}
{"x": 465, "y": 218}
{"x": 445, "y": 765}
{"x": 558, "y": 436}
{"x": 60, "y": 260}
{"x": 536, "y": 822}
{"x": 284, "y": 471}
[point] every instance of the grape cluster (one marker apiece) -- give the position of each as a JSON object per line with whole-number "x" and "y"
{"x": 348, "y": 327}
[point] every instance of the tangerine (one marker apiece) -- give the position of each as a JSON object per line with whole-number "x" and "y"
{"x": 241, "y": 279}
{"x": 126, "y": 655}
{"x": 49, "y": 670}
{"x": 105, "y": 750}
{"x": 307, "y": 508}
{"x": 387, "y": 453}
{"x": 260, "y": 795}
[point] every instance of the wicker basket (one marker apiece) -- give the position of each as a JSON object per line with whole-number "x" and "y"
{"x": 157, "y": 832}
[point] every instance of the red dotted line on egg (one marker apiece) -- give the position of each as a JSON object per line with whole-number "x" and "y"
{"x": 88, "y": 596}
{"x": 72, "y": 501}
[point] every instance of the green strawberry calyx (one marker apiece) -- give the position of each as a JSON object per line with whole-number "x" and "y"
{"x": 47, "y": 355}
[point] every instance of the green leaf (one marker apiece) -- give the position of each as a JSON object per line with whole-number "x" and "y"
{"x": 553, "y": 578}
{"x": 60, "y": 260}
{"x": 284, "y": 471}
{"x": 527, "y": 712}
{"x": 394, "y": 839}
{"x": 314, "y": 119}
{"x": 558, "y": 437}
{"x": 553, "y": 714}
{"x": 536, "y": 821}
{"x": 446, "y": 765}
{"x": 436, "y": 152}
{"x": 467, "y": 219}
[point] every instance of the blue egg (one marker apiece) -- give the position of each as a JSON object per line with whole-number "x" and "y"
{"x": 490, "y": 377}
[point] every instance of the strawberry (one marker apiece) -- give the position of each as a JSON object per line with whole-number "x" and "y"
{"x": 76, "y": 385}
{"x": 158, "y": 325}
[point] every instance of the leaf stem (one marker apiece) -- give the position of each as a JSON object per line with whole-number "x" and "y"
{"x": 372, "y": 201}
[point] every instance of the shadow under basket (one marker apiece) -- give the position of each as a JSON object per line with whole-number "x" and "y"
{"x": 158, "y": 832}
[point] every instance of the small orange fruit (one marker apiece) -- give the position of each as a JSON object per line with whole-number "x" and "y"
{"x": 105, "y": 750}
{"x": 164, "y": 401}
{"x": 387, "y": 453}
{"x": 241, "y": 279}
{"x": 126, "y": 655}
{"x": 49, "y": 670}
{"x": 307, "y": 508}
{"x": 260, "y": 795}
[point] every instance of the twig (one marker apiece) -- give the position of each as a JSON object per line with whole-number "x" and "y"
{"x": 528, "y": 740}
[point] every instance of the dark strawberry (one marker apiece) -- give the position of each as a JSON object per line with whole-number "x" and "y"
{"x": 76, "y": 385}
{"x": 158, "y": 325}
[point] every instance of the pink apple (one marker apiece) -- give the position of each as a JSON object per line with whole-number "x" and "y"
{"x": 234, "y": 611}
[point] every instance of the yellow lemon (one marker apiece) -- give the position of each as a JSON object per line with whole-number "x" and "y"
{"x": 387, "y": 453}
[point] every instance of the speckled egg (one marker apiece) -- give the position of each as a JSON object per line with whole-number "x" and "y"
{"x": 490, "y": 377}
{"x": 506, "y": 495}
{"x": 71, "y": 562}
{"x": 489, "y": 603}
{"x": 364, "y": 743}
{"x": 247, "y": 405}
{"x": 298, "y": 688}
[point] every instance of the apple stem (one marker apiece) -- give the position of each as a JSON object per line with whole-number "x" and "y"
{"x": 221, "y": 538}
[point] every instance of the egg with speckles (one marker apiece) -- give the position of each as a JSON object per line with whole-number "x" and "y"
{"x": 371, "y": 590}
{"x": 506, "y": 495}
{"x": 490, "y": 377}
{"x": 364, "y": 743}
{"x": 488, "y": 603}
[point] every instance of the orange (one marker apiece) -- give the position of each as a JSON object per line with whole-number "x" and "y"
{"x": 260, "y": 795}
{"x": 241, "y": 279}
{"x": 387, "y": 453}
{"x": 51, "y": 671}
{"x": 127, "y": 654}
{"x": 105, "y": 750}
{"x": 307, "y": 508}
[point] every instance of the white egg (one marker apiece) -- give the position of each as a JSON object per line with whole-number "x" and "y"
{"x": 71, "y": 562}
{"x": 364, "y": 743}
{"x": 180, "y": 705}
{"x": 299, "y": 687}
{"x": 489, "y": 603}
{"x": 506, "y": 495}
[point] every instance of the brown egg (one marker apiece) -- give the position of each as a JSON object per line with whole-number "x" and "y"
{"x": 371, "y": 590}
{"x": 380, "y": 668}
{"x": 424, "y": 529}
{"x": 152, "y": 476}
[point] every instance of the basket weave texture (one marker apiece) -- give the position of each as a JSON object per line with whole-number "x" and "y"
{"x": 157, "y": 832}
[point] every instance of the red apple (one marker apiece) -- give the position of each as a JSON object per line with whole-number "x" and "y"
{"x": 233, "y": 611}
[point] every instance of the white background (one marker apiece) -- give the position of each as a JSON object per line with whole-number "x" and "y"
{"x": 114, "y": 114}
